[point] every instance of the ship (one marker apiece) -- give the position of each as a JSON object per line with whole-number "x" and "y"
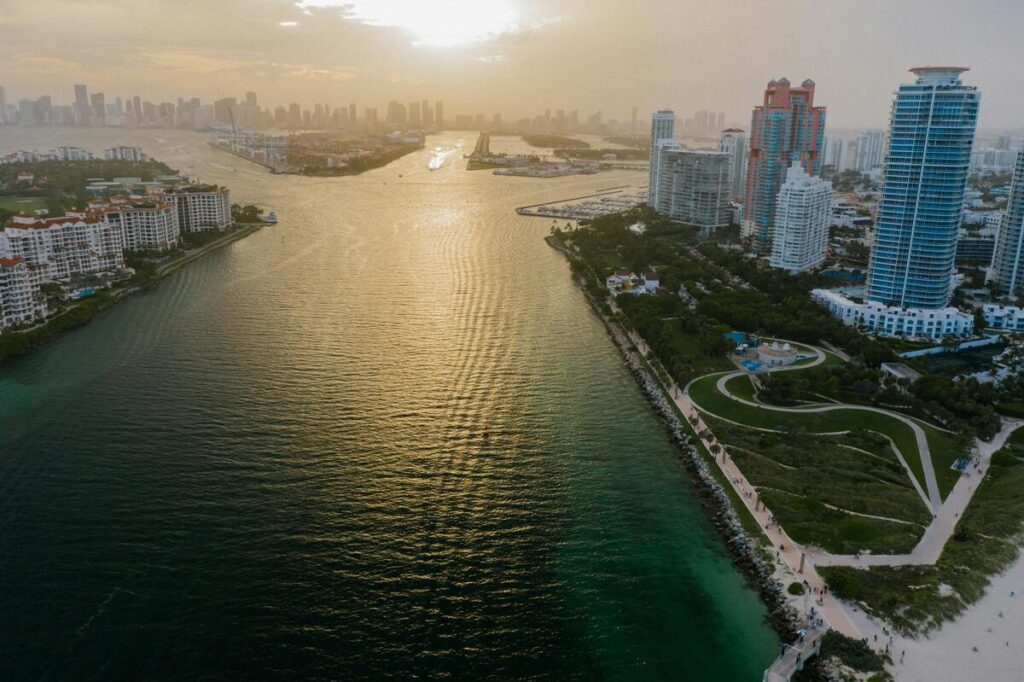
{"x": 270, "y": 218}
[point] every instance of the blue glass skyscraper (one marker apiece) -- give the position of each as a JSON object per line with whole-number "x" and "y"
{"x": 929, "y": 154}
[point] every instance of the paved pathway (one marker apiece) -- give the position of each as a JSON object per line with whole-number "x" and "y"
{"x": 798, "y": 563}
{"x": 943, "y": 525}
{"x": 924, "y": 454}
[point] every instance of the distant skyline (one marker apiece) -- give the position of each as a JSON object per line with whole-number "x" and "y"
{"x": 515, "y": 56}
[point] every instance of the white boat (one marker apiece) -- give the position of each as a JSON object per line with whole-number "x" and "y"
{"x": 270, "y": 218}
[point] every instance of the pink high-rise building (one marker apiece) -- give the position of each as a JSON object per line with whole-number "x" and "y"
{"x": 787, "y": 127}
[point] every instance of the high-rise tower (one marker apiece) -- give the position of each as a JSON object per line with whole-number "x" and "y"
{"x": 926, "y": 166}
{"x": 803, "y": 212}
{"x": 1008, "y": 262}
{"x": 734, "y": 143}
{"x": 786, "y": 127}
{"x": 663, "y": 134}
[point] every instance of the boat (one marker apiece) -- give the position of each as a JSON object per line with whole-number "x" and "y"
{"x": 270, "y": 218}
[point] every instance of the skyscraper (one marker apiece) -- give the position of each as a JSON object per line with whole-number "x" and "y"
{"x": 734, "y": 143}
{"x": 870, "y": 149}
{"x": 803, "y": 211}
{"x": 930, "y": 138}
{"x": 3, "y": 106}
{"x": 836, "y": 154}
{"x": 98, "y": 108}
{"x": 1007, "y": 263}
{"x": 81, "y": 105}
{"x": 786, "y": 127}
{"x": 663, "y": 134}
{"x": 439, "y": 114}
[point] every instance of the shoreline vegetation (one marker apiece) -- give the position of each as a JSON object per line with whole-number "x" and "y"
{"x": 712, "y": 290}
{"x": 353, "y": 166}
{"x": 148, "y": 273}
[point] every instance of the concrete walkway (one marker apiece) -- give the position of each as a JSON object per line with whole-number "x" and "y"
{"x": 941, "y": 529}
{"x": 921, "y": 438}
{"x": 789, "y": 554}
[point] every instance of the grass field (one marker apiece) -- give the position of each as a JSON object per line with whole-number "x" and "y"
{"x": 823, "y": 488}
{"x": 20, "y": 204}
{"x": 986, "y": 541}
{"x": 705, "y": 394}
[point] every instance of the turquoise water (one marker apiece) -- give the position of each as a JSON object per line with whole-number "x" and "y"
{"x": 273, "y": 466}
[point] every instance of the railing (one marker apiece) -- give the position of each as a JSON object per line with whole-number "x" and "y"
{"x": 795, "y": 655}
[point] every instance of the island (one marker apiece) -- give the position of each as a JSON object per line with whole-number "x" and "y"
{"x": 77, "y": 236}
{"x": 321, "y": 153}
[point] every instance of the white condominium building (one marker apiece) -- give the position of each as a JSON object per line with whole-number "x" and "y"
{"x": 124, "y": 153}
{"x": 693, "y": 186}
{"x": 145, "y": 224}
{"x": 64, "y": 246}
{"x": 803, "y": 212}
{"x": 201, "y": 207}
{"x": 73, "y": 154}
{"x": 878, "y": 318}
{"x": 20, "y": 299}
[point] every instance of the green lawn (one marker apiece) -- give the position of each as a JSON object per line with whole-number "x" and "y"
{"x": 705, "y": 394}
{"x": 986, "y": 541}
{"x": 820, "y": 486}
{"x": 742, "y": 387}
{"x": 21, "y": 204}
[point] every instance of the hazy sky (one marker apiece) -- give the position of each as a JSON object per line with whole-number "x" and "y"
{"x": 515, "y": 56}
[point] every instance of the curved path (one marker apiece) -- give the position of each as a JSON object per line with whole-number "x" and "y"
{"x": 921, "y": 438}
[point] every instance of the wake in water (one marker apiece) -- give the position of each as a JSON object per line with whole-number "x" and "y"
{"x": 439, "y": 157}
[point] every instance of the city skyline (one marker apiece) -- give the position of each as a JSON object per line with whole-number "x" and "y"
{"x": 317, "y": 51}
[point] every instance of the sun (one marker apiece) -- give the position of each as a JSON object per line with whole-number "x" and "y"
{"x": 434, "y": 23}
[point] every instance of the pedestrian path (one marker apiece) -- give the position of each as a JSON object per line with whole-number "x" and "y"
{"x": 920, "y": 437}
{"x": 794, "y": 656}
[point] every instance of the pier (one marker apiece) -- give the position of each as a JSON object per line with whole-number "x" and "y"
{"x": 795, "y": 655}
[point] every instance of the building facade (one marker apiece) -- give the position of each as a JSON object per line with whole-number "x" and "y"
{"x": 64, "y": 247}
{"x": 663, "y": 134}
{"x": 786, "y": 127}
{"x": 20, "y": 299}
{"x": 878, "y": 318}
{"x": 145, "y": 225}
{"x": 931, "y": 134}
{"x": 125, "y": 153}
{"x": 803, "y": 213}
{"x": 734, "y": 143}
{"x": 200, "y": 207}
{"x": 1007, "y": 266}
{"x": 693, "y": 186}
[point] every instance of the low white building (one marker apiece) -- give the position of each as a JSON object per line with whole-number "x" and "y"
{"x": 776, "y": 354}
{"x": 1009, "y": 317}
{"x": 21, "y": 302}
{"x": 626, "y": 282}
{"x": 884, "y": 320}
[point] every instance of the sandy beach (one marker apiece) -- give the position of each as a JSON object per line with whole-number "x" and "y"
{"x": 948, "y": 654}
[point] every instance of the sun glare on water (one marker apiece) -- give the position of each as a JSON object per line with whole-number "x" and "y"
{"x": 436, "y": 23}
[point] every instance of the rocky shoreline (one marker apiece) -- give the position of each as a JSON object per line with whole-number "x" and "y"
{"x": 781, "y": 615}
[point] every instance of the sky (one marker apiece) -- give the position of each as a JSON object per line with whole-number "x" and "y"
{"x": 516, "y": 57}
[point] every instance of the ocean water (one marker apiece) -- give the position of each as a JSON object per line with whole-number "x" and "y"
{"x": 385, "y": 438}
